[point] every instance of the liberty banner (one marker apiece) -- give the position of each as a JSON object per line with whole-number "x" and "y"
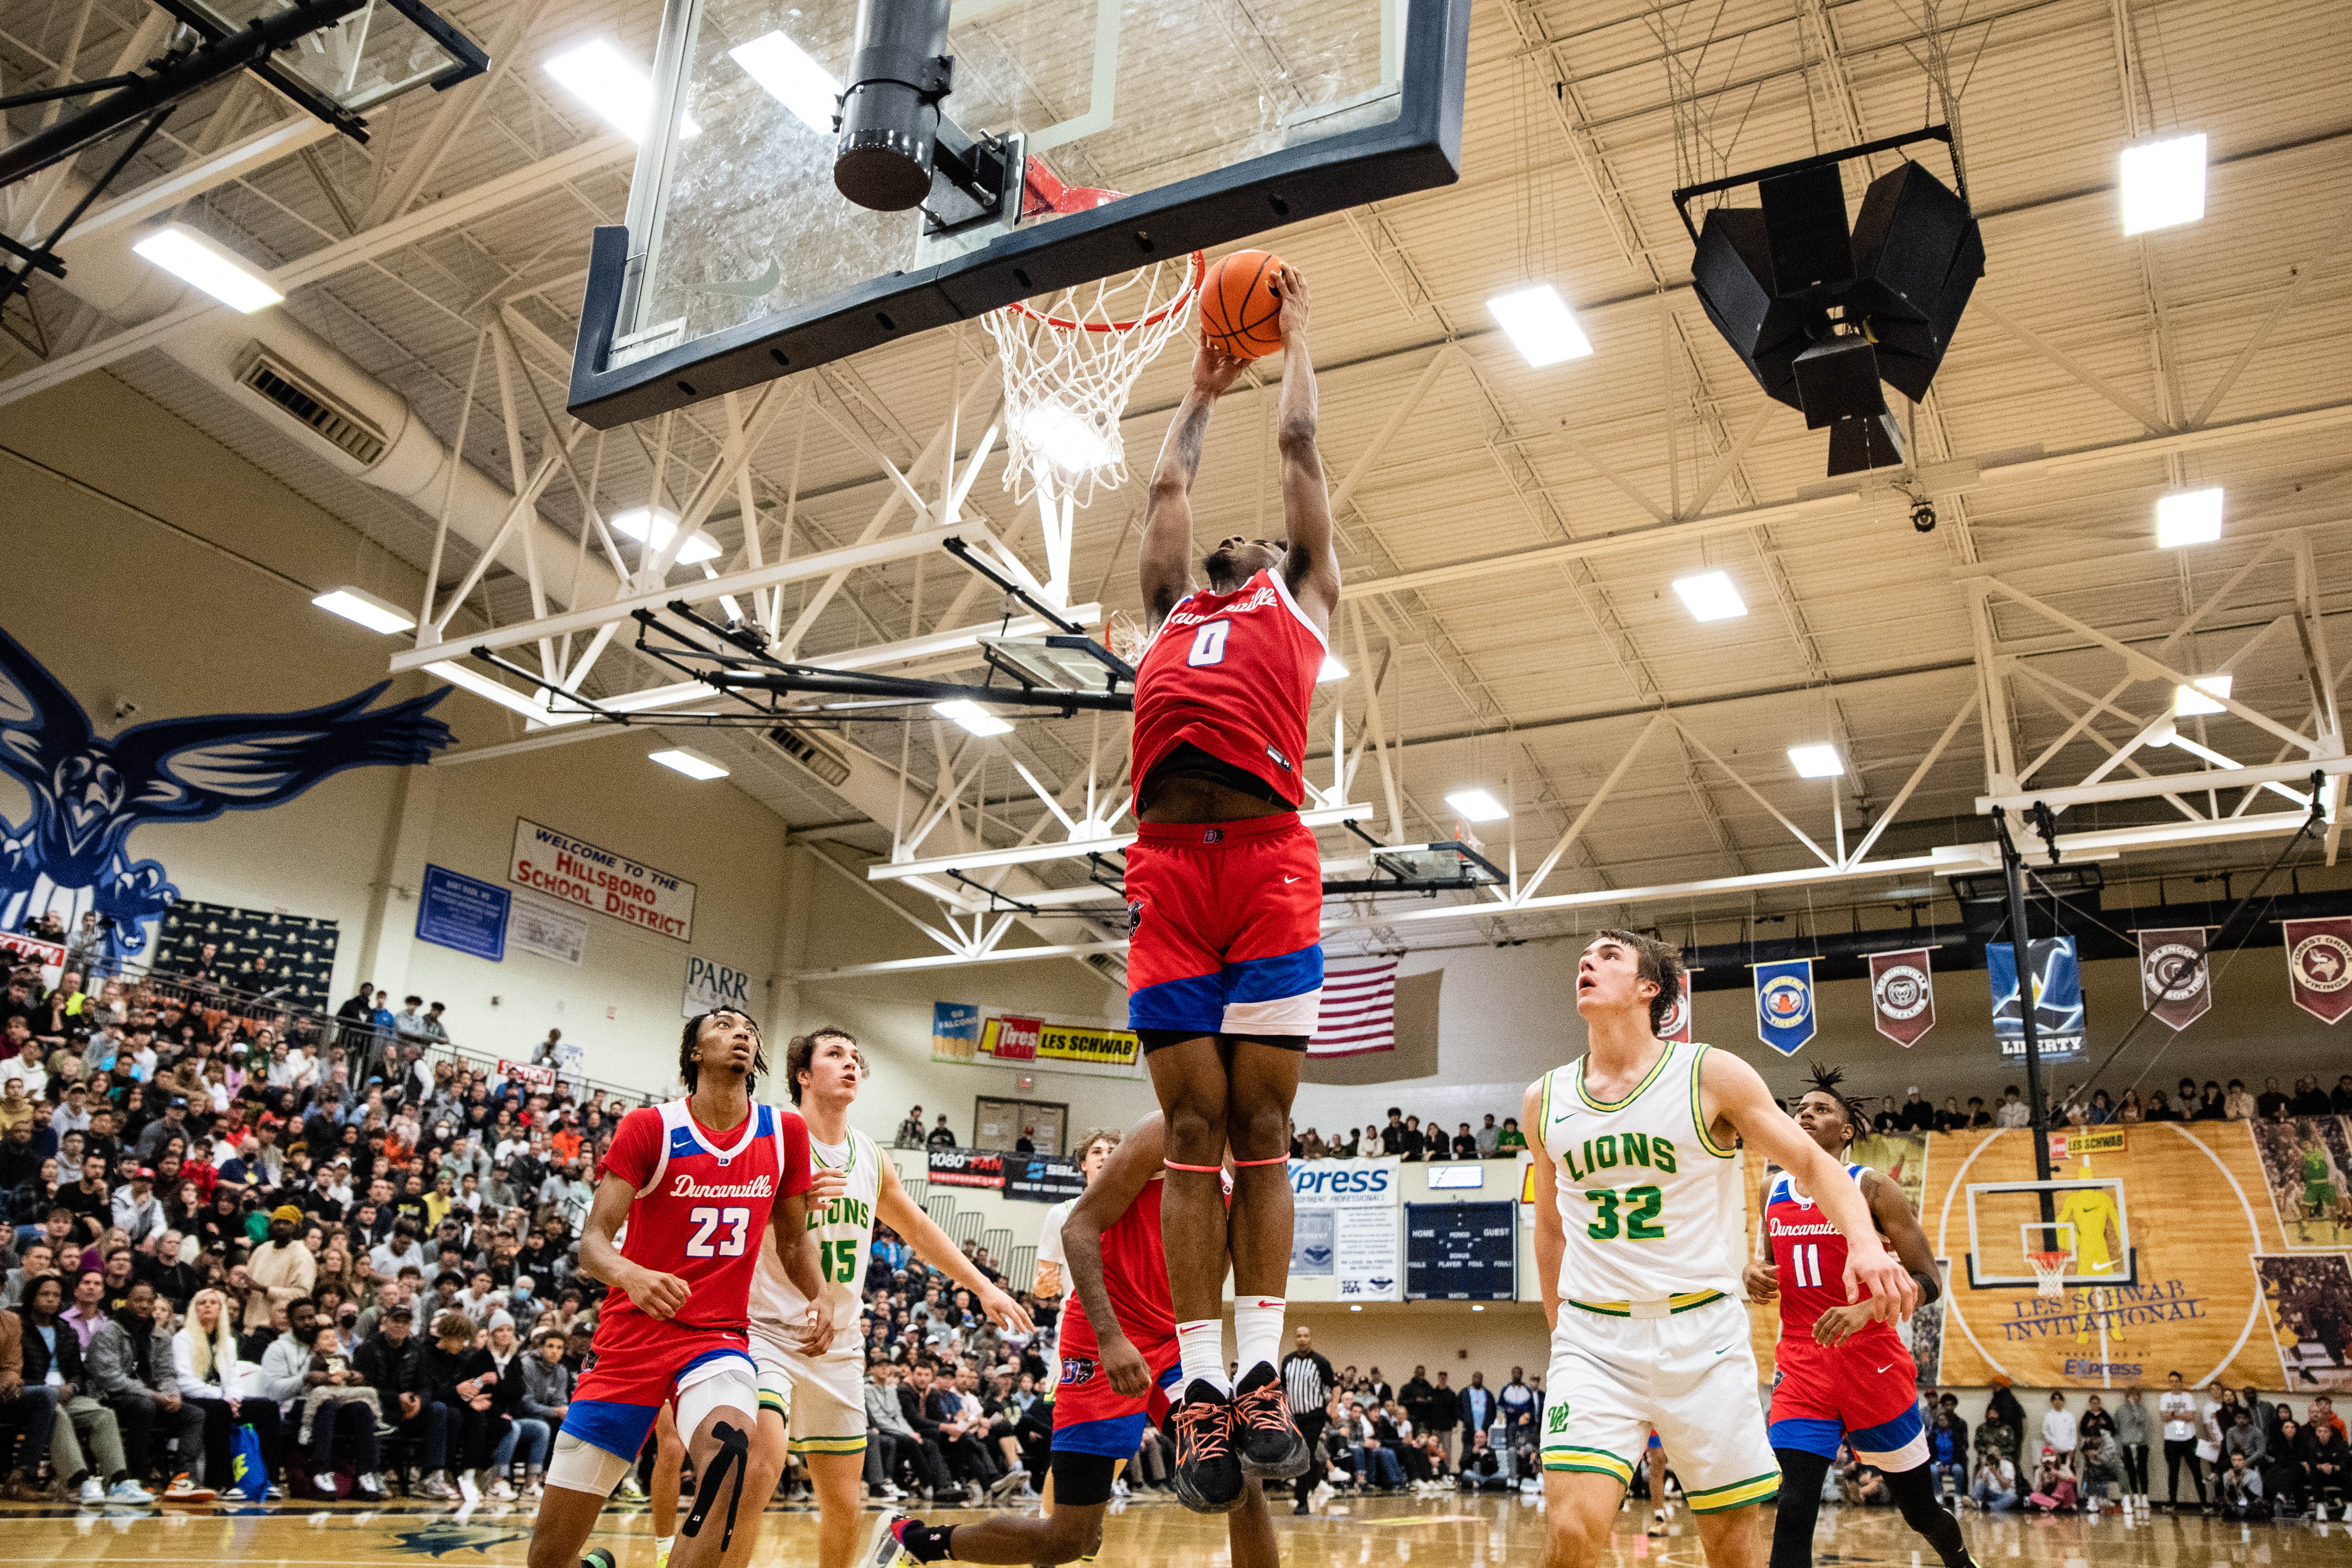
{"x": 1784, "y": 1004}
{"x": 1903, "y": 994}
{"x": 2319, "y": 966}
{"x": 1678, "y": 1022}
{"x": 2174, "y": 981}
{"x": 2057, "y": 997}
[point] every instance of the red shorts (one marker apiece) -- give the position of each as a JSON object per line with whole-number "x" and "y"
{"x": 1865, "y": 1391}
{"x": 1090, "y": 1416}
{"x": 637, "y": 1365}
{"x": 1225, "y": 924}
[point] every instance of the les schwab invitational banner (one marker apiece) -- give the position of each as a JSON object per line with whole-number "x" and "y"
{"x": 589, "y": 876}
{"x": 960, "y": 1032}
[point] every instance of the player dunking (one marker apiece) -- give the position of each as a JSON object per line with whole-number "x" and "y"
{"x": 819, "y": 1400}
{"x": 1225, "y": 898}
{"x": 698, "y": 1181}
{"x": 1842, "y": 1372}
{"x": 1633, "y": 1242}
{"x": 1120, "y": 1358}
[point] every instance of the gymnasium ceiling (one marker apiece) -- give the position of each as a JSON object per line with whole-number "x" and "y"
{"x": 1522, "y": 640}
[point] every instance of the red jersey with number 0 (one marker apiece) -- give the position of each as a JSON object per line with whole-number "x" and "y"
{"x": 704, "y": 1200}
{"x": 1810, "y": 1254}
{"x": 1232, "y": 674}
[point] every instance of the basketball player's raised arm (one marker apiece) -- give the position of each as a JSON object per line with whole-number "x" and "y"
{"x": 1551, "y": 1243}
{"x": 894, "y": 1209}
{"x": 1312, "y": 566}
{"x": 1120, "y": 1181}
{"x": 1730, "y": 1091}
{"x": 1166, "y": 557}
{"x": 796, "y": 1251}
{"x": 655, "y": 1295}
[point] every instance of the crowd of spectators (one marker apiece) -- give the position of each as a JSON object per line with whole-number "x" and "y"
{"x": 304, "y": 1229}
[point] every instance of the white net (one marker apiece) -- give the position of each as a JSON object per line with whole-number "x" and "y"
{"x": 2049, "y": 1272}
{"x": 1070, "y": 362}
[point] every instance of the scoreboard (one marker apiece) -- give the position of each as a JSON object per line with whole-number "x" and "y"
{"x": 1460, "y": 1252}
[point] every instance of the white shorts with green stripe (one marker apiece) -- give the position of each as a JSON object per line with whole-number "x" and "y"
{"x": 1689, "y": 1375}
{"x": 821, "y": 1399}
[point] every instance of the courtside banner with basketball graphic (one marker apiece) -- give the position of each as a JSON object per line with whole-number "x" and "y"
{"x": 1784, "y": 1004}
{"x": 1903, "y": 994}
{"x": 2319, "y": 966}
{"x": 2175, "y": 983}
{"x": 1678, "y": 1022}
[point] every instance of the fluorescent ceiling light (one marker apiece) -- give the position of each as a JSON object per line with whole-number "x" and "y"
{"x": 792, "y": 79}
{"x": 622, "y": 95}
{"x": 693, "y": 764}
{"x": 2163, "y": 184}
{"x": 1332, "y": 670}
{"x": 1817, "y": 761}
{"x": 1541, "y": 325}
{"x": 2194, "y": 699}
{"x": 194, "y": 259}
{"x": 660, "y": 525}
{"x": 2187, "y": 518}
{"x": 1710, "y": 596}
{"x": 1065, "y": 438}
{"x": 1477, "y": 806}
{"x": 359, "y": 605}
{"x": 972, "y": 716}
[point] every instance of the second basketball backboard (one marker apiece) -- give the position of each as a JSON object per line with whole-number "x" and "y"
{"x": 1133, "y": 129}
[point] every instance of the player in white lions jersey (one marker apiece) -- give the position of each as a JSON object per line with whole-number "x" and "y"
{"x": 819, "y": 1401}
{"x": 1640, "y": 1223}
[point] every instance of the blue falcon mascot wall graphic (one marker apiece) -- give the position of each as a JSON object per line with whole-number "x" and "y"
{"x": 89, "y": 794}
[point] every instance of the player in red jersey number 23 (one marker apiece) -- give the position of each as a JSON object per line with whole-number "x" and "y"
{"x": 1840, "y": 1371}
{"x": 1224, "y": 899}
{"x": 696, "y": 1180}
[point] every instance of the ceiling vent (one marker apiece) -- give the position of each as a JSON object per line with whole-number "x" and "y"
{"x": 311, "y": 404}
{"x": 821, "y": 760}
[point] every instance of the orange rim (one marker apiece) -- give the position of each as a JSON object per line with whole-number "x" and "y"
{"x": 1195, "y": 271}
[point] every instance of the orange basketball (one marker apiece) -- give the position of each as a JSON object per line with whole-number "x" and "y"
{"x": 1239, "y": 306}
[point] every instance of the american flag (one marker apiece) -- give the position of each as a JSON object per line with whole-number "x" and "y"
{"x": 1358, "y": 1012}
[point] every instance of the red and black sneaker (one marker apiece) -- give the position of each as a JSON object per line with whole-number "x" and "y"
{"x": 1273, "y": 1449}
{"x": 1208, "y": 1472}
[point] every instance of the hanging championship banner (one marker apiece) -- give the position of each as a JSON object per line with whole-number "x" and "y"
{"x": 2319, "y": 966}
{"x": 1678, "y": 1022}
{"x": 1784, "y": 1004}
{"x": 2057, "y": 997}
{"x": 2174, "y": 980}
{"x": 1903, "y": 995}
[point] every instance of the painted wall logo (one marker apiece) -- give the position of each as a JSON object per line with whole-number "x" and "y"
{"x": 2092, "y": 1310}
{"x": 89, "y": 794}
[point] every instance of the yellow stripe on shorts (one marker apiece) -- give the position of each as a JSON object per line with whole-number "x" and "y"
{"x": 1738, "y": 1494}
{"x": 1597, "y": 1461}
{"x": 830, "y": 1445}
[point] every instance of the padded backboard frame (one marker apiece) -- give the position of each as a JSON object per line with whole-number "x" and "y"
{"x": 1985, "y": 1226}
{"x": 1418, "y": 149}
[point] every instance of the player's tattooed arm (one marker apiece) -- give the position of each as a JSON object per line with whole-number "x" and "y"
{"x": 1732, "y": 1092}
{"x": 1311, "y": 567}
{"x": 1120, "y": 1181}
{"x": 1167, "y": 555}
{"x": 1551, "y": 1243}
{"x": 654, "y": 1294}
{"x": 894, "y": 1209}
{"x": 1893, "y": 1212}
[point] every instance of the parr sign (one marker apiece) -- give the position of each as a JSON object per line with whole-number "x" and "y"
{"x": 589, "y": 876}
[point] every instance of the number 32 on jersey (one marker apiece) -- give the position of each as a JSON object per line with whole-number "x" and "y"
{"x": 1630, "y": 1212}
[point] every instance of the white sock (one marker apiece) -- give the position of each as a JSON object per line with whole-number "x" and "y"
{"x": 1201, "y": 1344}
{"x": 662, "y": 1543}
{"x": 1257, "y": 1330}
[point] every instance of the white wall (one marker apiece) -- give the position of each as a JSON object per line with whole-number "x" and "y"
{"x": 117, "y": 604}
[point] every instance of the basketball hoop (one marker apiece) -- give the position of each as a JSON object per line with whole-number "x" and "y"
{"x": 1071, "y": 359}
{"x": 2049, "y": 1272}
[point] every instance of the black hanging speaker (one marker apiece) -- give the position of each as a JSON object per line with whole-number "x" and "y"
{"x": 1917, "y": 255}
{"x": 1732, "y": 273}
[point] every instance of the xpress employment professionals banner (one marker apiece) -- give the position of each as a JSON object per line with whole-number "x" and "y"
{"x": 1345, "y": 1226}
{"x": 589, "y": 876}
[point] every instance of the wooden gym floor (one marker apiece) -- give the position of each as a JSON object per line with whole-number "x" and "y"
{"x": 1385, "y": 1532}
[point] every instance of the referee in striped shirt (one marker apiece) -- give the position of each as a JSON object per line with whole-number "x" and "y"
{"x": 1306, "y": 1382}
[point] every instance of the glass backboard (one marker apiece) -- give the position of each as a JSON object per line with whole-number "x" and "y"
{"x": 1208, "y": 120}
{"x": 383, "y": 49}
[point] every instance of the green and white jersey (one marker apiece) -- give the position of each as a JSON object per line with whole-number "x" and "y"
{"x": 845, "y": 1241}
{"x": 1650, "y": 1207}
